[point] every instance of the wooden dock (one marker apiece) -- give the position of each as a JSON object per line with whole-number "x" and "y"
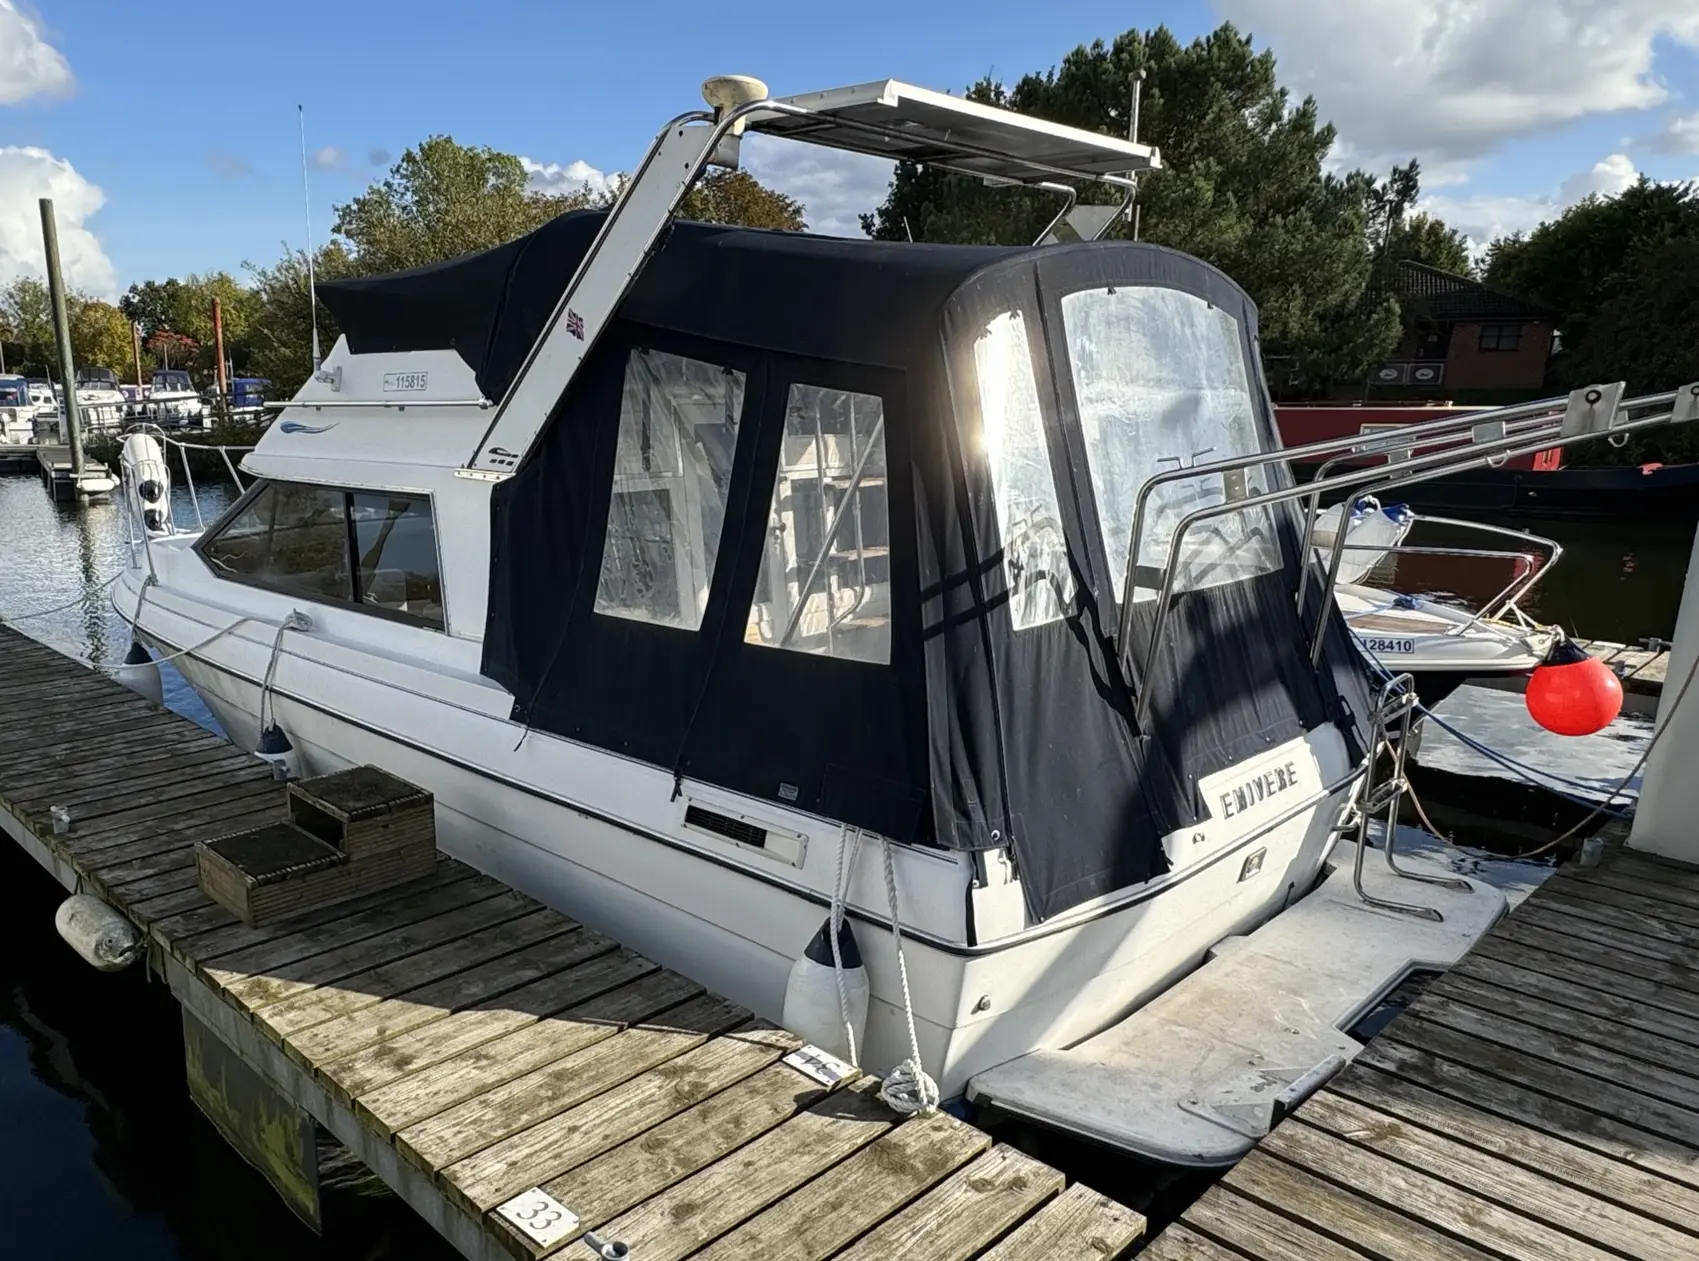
{"x": 54, "y": 462}
{"x": 1540, "y": 1102}
{"x": 479, "y": 1051}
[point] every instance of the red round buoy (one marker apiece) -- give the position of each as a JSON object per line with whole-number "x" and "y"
{"x": 1573, "y": 694}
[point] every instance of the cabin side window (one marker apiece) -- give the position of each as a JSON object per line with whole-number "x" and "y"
{"x": 1035, "y": 551}
{"x": 678, "y": 422}
{"x": 1161, "y": 384}
{"x": 825, "y": 580}
{"x": 296, "y": 539}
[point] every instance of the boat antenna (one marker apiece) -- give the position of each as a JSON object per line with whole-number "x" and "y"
{"x": 307, "y": 208}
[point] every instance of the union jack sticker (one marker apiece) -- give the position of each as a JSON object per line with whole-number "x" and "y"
{"x": 575, "y": 324}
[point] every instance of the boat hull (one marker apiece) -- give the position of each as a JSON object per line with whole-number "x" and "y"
{"x": 723, "y": 918}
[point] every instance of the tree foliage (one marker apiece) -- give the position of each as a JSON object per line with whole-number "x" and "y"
{"x": 177, "y": 313}
{"x": 1243, "y": 186}
{"x": 1594, "y": 258}
{"x": 737, "y": 197}
{"x": 280, "y": 335}
{"x": 442, "y": 199}
{"x": 100, "y": 334}
{"x": 1425, "y": 239}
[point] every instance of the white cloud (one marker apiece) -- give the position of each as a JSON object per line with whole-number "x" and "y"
{"x": 329, "y": 158}
{"x": 29, "y": 65}
{"x": 553, "y": 178}
{"x": 835, "y": 188}
{"x": 1451, "y": 80}
{"x": 27, "y": 174}
{"x": 1488, "y": 215}
{"x": 1681, "y": 136}
{"x": 1608, "y": 176}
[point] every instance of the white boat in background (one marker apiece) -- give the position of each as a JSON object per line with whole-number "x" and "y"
{"x": 17, "y": 411}
{"x": 723, "y": 580}
{"x": 1441, "y": 643}
{"x": 100, "y": 403}
{"x": 173, "y": 402}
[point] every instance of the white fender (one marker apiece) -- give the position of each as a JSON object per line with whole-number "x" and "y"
{"x": 140, "y": 673}
{"x": 103, "y": 937}
{"x": 811, "y": 993}
{"x": 147, "y": 482}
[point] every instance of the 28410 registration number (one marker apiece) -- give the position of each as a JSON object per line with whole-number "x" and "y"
{"x": 1387, "y": 645}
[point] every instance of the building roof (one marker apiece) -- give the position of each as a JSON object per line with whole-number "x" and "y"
{"x": 1429, "y": 293}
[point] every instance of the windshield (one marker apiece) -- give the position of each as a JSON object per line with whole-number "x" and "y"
{"x": 1161, "y": 382}
{"x": 171, "y": 380}
{"x": 10, "y": 396}
{"x": 97, "y": 378}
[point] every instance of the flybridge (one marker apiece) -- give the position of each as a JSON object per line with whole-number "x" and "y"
{"x": 884, "y": 119}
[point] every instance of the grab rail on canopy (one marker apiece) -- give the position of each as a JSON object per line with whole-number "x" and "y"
{"x": 1587, "y": 413}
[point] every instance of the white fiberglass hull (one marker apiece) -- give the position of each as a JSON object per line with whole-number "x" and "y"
{"x": 599, "y": 838}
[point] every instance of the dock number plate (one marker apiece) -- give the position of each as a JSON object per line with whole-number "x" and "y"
{"x": 405, "y": 382}
{"x": 1388, "y": 645}
{"x": 541, "y": 1218}
{"x": 822, "y": 1066}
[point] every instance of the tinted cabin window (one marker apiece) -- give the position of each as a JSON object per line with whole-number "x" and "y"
{"x": 678, "y": 424}
{"x": 395, "y": 546}
{"x": 1035, "y": 552}
{"x": 825, "y": 581}
{"x": 295, "y": 539}
{"x": 1161, "y": 382}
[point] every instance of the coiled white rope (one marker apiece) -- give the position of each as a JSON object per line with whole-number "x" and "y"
{"x": 907, "y": 1087}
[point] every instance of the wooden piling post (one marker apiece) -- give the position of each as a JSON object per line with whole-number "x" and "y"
{"x": 62, "y": 335}
{"x": 218, "y": 347}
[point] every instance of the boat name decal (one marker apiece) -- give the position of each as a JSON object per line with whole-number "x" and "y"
{"x": 295, "y": 426}
{"x": 1387, "y": 645}
{"x": 1253, "y": 792}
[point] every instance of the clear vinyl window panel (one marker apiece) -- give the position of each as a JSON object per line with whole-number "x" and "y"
{"x": 1029, "y": 522}
{"x": 1162, "y": 383}
{"x": 678, "y": 422}
{"x": 825, "y": 580}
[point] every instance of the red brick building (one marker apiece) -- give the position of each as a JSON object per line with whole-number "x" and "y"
{"x": 1462, "y": 338}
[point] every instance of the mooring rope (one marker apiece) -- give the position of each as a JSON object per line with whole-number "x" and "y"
{"x": 906, "y": 1088}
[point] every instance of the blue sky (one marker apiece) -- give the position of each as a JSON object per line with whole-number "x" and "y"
{"x": 183, "y": 116}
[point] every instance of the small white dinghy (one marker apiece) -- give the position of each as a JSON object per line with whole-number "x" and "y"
{"x": 1439, "y": 643}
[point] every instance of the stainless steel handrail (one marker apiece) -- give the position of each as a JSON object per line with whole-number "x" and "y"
{"x": 1509, "y": 446}
{"x": 1349, "y": 446}
{"x": 1419, "y": 468}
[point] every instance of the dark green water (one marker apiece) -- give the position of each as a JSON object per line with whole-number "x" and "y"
{"x": 101, "y": 1153}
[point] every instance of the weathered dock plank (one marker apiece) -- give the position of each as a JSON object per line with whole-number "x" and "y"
{"x": 472, "y": 1046}
{"x": 1539, "y": 1101}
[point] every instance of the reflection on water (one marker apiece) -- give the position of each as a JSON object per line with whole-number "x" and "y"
{"x": 101, "y": 1152}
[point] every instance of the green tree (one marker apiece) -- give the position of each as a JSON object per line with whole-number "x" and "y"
{"x": 737, "y": 197}
{"x": 183, "y": 308}
{"x": 280, "y": 334}
{"x": 1647, "y": 331}
{"x": 443, "y": 199}
{"x": 1591, "y": 257}
{"x": 1426, "y": 239}
{"x": 26, "y": 326}
{"x": 1242, "y": 186}
{"x": 100, "y": 334}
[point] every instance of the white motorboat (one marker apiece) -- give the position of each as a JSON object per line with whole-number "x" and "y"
{"x": 1441, "y": 643}
{"x": 17, "y": 410}
{"x": 100, "y": 403}
{"x": 173, "y": 402}
{"x": 715, "y": 580}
